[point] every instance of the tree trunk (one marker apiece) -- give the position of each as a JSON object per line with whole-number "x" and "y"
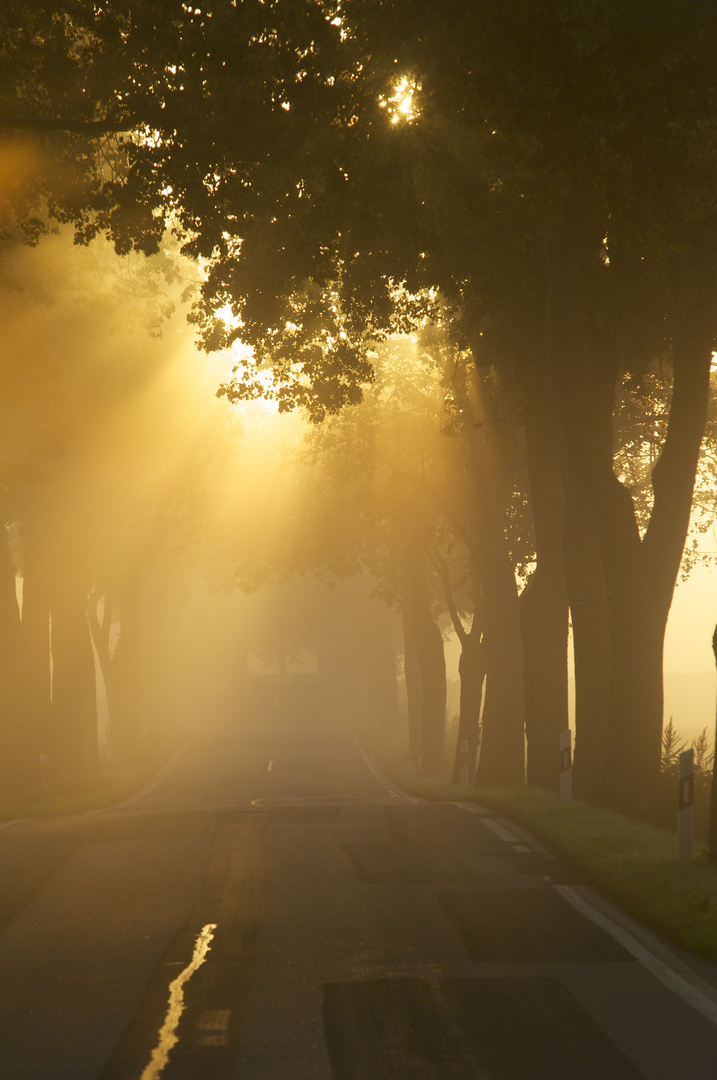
{"x": 712, "y": 844}
{"x": 544, "y": 620}
{"x": 414, "y": 682}
{"x": 544, "y": 607}
{"x": 472, "y": 670}
{"x": 385, "y": 669}
{"x": 471, "y": 667}
{"x": 433, "y": 726}
{"x": 15, "y": 755}
{"x": 427, "y": 641}
{"x": 641, "y": 579}
{"x": 502, "y": 753}
{"x": 639, "y": 575}
{"x": 35, "y": 738}
{"x": 591, "y": 647}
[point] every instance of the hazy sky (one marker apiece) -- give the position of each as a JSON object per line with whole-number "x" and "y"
{"x": 688, "y": 645}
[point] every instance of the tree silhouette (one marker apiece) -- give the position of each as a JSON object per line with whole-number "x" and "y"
{"x": 277, "y": 142}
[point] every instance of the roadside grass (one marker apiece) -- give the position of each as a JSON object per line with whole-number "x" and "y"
{"x": 632, "y": 863}
{"x": 113, "y": 788}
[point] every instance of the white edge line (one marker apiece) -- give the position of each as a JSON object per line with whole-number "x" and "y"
{"x": 669, "y": 978}
{"x": 12, "y": 821}
{"x": 473, "y": 808}
{"x": 147, "y": 787}
{"x": 383, "y": 780}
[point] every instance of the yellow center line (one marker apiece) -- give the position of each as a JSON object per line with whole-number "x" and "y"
{"x": 167, "y": 1036}
{"x": 270, "y": 766}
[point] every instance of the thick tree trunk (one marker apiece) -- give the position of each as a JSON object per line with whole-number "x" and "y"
{"x": 472, "y": 670}
{"x": 433, "y": 726}
{"x": 639, "y": 575}
{"x": 544, "y": 618}
{"x": 502, "y": 752}
{"x": 641, "y": 579}
{"x": 544, "y": 608}
{"x": 385, "y": 669}
{"x": 414, "y": 682}
{"x": 15, "y": 754}
{"x": 712, "y": 834}
{"x": 428, "y": 643}
{"x": 471, "y": 666}
{"x": 582, "y": 380}
{"x": 36, "y": 652}
{"x": 591, "y": 647}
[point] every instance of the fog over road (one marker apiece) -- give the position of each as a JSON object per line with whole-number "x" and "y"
{"x": 352, "y": 933}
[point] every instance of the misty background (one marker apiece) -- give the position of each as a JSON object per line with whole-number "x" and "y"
{"x": 238, "y": 560}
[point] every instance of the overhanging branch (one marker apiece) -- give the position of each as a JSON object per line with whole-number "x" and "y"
{"x": 107, "y": 126}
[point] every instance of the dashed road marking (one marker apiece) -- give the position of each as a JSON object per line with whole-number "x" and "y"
{"x": 499, "y": 831}
{"x": 383, "y": 780}
{"x": 153, "y": 783}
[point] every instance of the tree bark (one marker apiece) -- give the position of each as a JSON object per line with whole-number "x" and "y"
{"x": 712, "y": 836}
{"x": 502, "y": 752}
{"x": 414, "y": 683}
{"x": 641, "y": 579}
{"x": 15, "y": 754}
{"x": 428, "y": 642}
{"x": 472, "y": 669}
{"x": 639, "y": 574}
{"x": 590, "y": 616}
{"x": 544, "y": 606}
{"x": 385, "y": 669}
{"x": 35, "y": 737}
{"x": 544, "y": 620}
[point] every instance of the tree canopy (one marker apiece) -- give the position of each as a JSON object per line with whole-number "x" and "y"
{"x": 545, "y": 172}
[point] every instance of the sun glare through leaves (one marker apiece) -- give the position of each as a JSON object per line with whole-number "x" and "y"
{"x": 402, "y": 104}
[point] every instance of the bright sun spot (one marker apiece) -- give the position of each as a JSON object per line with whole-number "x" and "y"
{"x": 237, "y": 356}
{"x": 227, "y": 316}
{"x": 402, "y": 103}
{"x": 266, "y": 403}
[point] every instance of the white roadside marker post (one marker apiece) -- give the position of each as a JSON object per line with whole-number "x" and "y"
{"x": 566, "y": 766}
{"x": 685, "y": 804}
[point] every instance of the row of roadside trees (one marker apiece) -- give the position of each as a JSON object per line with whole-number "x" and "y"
{"x": 543, "y": 172}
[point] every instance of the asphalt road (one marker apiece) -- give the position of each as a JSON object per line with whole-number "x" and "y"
{"x": 272, "y": 910}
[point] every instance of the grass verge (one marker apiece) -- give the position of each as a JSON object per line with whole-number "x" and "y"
{"x": 632, "y": 863}
{"x": 113, "y": 788}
